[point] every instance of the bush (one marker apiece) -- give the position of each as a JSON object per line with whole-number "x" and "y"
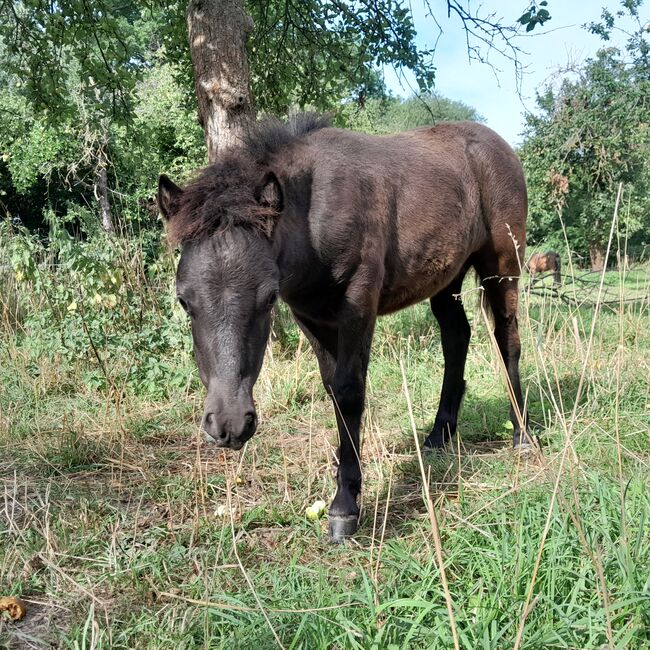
{"x": 100, "y": 305}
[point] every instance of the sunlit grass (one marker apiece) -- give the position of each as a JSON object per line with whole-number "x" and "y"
{"x": 121, "y": 530}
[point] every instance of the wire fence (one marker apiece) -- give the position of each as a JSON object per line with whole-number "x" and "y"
{"x": 582, "y": 289}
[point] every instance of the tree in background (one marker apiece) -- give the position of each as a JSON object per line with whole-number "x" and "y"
{"x": 316, "y": 53}
{"x": 383, "y": 115}
{"x": 217, "y": 31}
{"x": 587, "y": 137}
{"x": 91, "y": 110}
{"x": 75, "y": 66}
{"x": 76, "y": 73}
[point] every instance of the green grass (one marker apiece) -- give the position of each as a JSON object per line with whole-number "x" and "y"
{"x": 121, "y": 530}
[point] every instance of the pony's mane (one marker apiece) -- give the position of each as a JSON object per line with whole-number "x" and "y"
{"x": 270, "y": 135}
{"x": 223, "y": 194}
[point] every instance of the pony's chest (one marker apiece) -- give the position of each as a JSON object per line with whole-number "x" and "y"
{"x": 313, "y": 297}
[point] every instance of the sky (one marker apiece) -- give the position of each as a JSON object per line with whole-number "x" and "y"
{"x": 494, "y": 93}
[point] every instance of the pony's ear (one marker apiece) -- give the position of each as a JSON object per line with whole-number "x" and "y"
{"x": 168, "y": 196}
{"x": 270, "y": 194}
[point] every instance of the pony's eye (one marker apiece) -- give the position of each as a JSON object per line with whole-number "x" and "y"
{"x": 273, "y": 296}
{"x": 183, "y": 304}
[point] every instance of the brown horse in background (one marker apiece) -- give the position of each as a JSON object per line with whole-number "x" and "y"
{"x": 345, "y": 227}
{"x": 545, "y": 263}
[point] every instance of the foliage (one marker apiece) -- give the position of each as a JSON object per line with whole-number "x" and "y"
{"x": 165, "y": 134}
{"x": 536, "y": 15}
{"x": 587, "y": 137}
{"x": 162, "y": 135}
{"x": 90, "y": 99}
{"x": 393, "y": 114}
{"x": 94, "y": 304}
{"x": 322, "y": 51}
{"x": 314, "y": 52}
{"x": 308, "y": 53}
{"x": 92, "y": 47}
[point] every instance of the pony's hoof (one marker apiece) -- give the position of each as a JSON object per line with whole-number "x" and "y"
{"x": 434, "y": 441}
{"x": 341, "y": 527}
{"x": 525, "y": 446}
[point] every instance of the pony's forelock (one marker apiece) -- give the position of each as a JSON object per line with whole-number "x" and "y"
{"x": 223, "y": 194}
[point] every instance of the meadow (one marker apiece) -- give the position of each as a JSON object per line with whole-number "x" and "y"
{"x": 121, "y": 529}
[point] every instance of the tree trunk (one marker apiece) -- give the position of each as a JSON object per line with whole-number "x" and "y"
{"x": 597, "y": 256}
{"x": 100, "y": 139}
{"x": 217, "y": 31}
{"x": 101, "y": 193}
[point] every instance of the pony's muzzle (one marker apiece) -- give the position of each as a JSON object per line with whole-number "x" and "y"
{"x": 228, "y": 429}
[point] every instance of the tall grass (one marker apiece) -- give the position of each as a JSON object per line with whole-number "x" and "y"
{"x": 121, "y": 530}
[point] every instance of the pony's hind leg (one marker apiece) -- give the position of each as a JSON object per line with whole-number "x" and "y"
{"x": 454, "y": 334}
{"x": 557, "y": 273}
{"x": 499, "y": 275}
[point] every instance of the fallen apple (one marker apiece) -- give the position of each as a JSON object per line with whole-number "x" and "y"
{"x": 316, "y": 510}
{"x": 15, "y": 607}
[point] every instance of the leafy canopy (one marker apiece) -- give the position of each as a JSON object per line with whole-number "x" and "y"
{"x": 586, "y": 138}
{"x": 392, "y": 114}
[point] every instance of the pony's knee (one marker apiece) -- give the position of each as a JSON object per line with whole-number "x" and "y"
{"x": 349, "y": 395}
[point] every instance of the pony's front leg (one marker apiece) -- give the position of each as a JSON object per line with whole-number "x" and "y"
{"x": 348, "y": 394}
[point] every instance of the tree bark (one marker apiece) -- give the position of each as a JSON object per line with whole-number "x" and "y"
{"x": 217, "y": 31}
{"x": 99, "y": 156}
{"x": 101, "y": 192}
{"x": 596, "y": 256}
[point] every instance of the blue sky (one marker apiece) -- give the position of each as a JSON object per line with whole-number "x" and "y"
{"x": 494, "y": 93}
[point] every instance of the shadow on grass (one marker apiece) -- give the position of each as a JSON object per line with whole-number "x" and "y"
{"x": 484, "y": 419}
{"x": 479, "y": 458}
{"x": 400, "y": 503}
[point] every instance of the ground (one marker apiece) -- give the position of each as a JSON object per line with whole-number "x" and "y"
{"x": 120, "y": 529}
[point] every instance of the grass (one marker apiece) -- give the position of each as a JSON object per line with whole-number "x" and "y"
{"x": 121, "y": 530}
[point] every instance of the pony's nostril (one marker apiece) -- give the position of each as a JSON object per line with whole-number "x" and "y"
{"x": 250, "y": 424}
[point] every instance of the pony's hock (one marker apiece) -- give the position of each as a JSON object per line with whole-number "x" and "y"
{"x": 345, "y": 227}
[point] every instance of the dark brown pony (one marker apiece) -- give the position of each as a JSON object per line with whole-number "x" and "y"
{"x": 345, "y": 227}
{"x": 545, "y": 263}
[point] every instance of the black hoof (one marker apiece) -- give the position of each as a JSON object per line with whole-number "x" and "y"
{"x": 434, "y": 441}
{"x": 342, "y": 526}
